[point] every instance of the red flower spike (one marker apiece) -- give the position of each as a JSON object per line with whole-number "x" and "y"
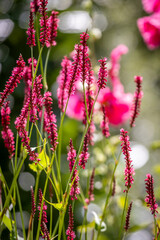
{"x": 85, "y": 57}
{"x": 63, "y": 79}
{"x": 75, "y": 70}
{"x": 137, "y": 100}
{"x": 102, "y": 74}
{"x": 33, "y": 211}
{"x": 70, "y": 233}
{"x": 91, "y": 189}
{"x": 126, "y": 227}
{"x": 105, "y": 124}
{"x": 129, "y": 170}
{"x": 43, "y": 216}
{"x": 14, "y": 79}
{"x": 71, "y": 158}
{"x": 50, "y": 120}
{"x": 6, "y": 132}
{"x": 34, "y": 6}
{"x": 43, "y": 22}
{"x": 31, "y": 32}
{"x": 83, "y": 157}
{"x": 52, "y": 29}
{"x": 150, "y": 199}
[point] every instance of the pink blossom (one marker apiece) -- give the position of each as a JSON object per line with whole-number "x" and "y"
{"x": 75, "y": 106}
{"x": 14, "y": 79}
{"x": 151, "y": 5}
{"x": 129, "y": 170}
{"x": 52, "y": 29}
{"x": 31, "y": 31}
{"x": 34, "y": 6}
{"x": 115, "y": 67}
{"x": 71, "y": 158}
{"x": 150, "y": 199}
{"x": 126, "y": 227}
{"x": 69, "y": 232}
{"x": 6, "y": 132}
{"x": 105, "y": 124}
{"x": 118, "y": 108}
{"x": 149, "y": 28}
{"x": 91, "y": 189}
{"x": 137, "y": 100}
{"x": 50, "y": 120}
{"x": 63, "y": 79}
{"x": 83, "y": 157}
{"x": 33, "y": 210}
{"x": 102, "y": 74}
{"x": 43, "y": 22}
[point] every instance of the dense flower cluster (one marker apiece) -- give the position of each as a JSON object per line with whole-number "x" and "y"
{"x": 6, "y": 132}
{"x": 50, "y": 120}
{"x": 126, "y": 227}
{"x": 31, "y": 31}
{"x": 14, "y": 79}
{"x": 33, "y": 210}
{"x": 63, "y": 80}
{"x": 43, "y": 22}
{"x": 149, "y": 26}
{"x": 129, "y": 170}
{"x": 102, "y": 74}
{"x": 52, "y": 25}
{"x": 34, "y": 6}
{"x": 43, "y": 216}
{"x": 91, "y": 189}
{"x": 83, "y": 157}
{"x": 137, "y": 100}
{"x": 70, "y": 233}
{"x": 150, "y": 199}
{"x": 75, "y": 178}
{"x": 105, "y": 124}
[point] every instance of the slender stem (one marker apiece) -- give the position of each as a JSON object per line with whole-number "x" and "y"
{"x": 45, "y": 71}
{"x": 122, "y": 218}
{"x": 21, "y": 212}
{"x": 36, "y": 185}
{"x": 155, "y": 226}
{"x": 39, "y": 47}
{"x": 107, "y": 200}
{"x": 51, "y": 217}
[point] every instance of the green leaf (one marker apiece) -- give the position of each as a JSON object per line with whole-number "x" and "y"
{"x": 137, "y": 228}
{"x": 7, "y": 222}
{"x": 58, "y": 206}
{"x": 44, "y": 161}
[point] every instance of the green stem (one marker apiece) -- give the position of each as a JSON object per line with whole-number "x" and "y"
{"x": 155, "y": 227}
{"x": 107, "y": 200}
{"x": 45, "y": 71}
{"x": 122, "y": 218}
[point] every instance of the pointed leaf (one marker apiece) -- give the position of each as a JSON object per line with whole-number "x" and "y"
{"x": 7, "y": 222}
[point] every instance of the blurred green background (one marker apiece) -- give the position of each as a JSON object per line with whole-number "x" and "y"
{"x": 109, "y": 22}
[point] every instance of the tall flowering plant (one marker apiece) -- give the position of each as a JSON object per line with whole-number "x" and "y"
{"x": 83, "y": 94}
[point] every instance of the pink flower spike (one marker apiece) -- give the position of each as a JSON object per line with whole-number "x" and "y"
{"x": 151, "y": 5}
{"x": 31, "y": 32}
{"x": 126, "y": 227}
{"x": 63, "y": 79}
{"x": 14, "y": 79}
{"x": 43, "y": 216}
{"x": 137, "y": 100}
{"x": 70, "y": 233}
{"x": 83, "y": 157}
{"x": 150, "y": 199}
{"x": 43, "y": 22}
{"x": 75, "y": 70}
{"x": 6, "y": 132}
{"x": 34, "y": 6}
{"x": 102, "y": 74}
{"x": 149, "y": 28}
{"x": 105, "y": 124}
{"x": 52, "y": 29}
{"x": 50, "y": 120}
{"x": 129, "y": 170}
{"x": 91, "y": 189}
{"x": 85, "y": 57}
{"x": 71, "y": 158}
{"x": 33, "y": 211}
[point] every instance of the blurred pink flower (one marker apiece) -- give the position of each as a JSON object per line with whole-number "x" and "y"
{"x": 75, "y": 106}
{"x": 117, "y": 107}
{"x": 151, "y": 5}
{"x": 149, "y": 28}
